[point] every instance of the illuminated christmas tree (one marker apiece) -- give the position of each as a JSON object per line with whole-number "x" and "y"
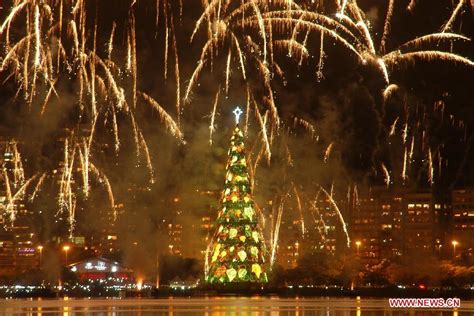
{"x": 237, "y": 250}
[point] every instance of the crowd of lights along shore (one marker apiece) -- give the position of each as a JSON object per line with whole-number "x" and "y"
{"x": 48, "y": 42}
{"x": 237, "y": 251}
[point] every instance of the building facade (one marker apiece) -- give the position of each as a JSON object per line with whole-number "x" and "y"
{"x": 18, "y": 249}
{"x": 463, "y": 221}
{"x": 388, "y": 223}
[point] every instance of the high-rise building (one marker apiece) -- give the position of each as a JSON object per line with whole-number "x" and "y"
{"x": 366, "y": 232}
{"x": 289, "y": 241}
{"x": 206, "y": 231}
{"x": 18, "y": 252}
{"x": 175, "y": 231}
{"x": 327, "y": 235}
{"x": 419, "y": 223}
{"x": 203, "y": 231}
{"x": 321, "y": 230}
{"x": 386, "y": 223}
{"x": 463, "y": 221}
{"x": 391, "y": 221}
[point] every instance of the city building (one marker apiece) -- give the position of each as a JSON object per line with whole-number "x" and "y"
{"x": 420, "y": 223}
{"x": 309, "y": 231}
{"x": 366, "y": 229}
{"x": 462, "y": 222}
{"x": 18, "y": 251}
{"x": 386, "y": 223}
{"x": 175, "y": 231}
{"x": 289, "y": 232}
{"x": 206, "y": 228}
{"x": 288, "y": 248}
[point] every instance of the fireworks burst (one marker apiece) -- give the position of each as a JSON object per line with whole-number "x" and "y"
{"x": 56, "y": 45}
{"x": 54, "y": 41}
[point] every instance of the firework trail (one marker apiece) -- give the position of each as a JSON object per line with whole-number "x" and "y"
{"x": 66, "y": 196}
{"x": 84, "y": 159}
{"x": 105, "y": 181}
{"x": 355, "y": 196}
{"x": 9, "y": 208}
{"x": 136, "y": 137}
{"x": 386, "y": 28}
{"x": 404, "y": 170}
{"x": 12, "y": 205}
{"x": 38, "y": 186}
{"x": 289, "y": 158}
{"x": 405, "y": 133}
{"x": 430, "y": 167}
{"x": 328, "y": 152}
{"x": 276, "y": 233}
{"x": 439, "y": 163}
{"x": 18, "y": 171}
{"x": 322, "y": 55}
{"x": 352, "y": 31}
{"x": 263, "y": 128}
{"x": 300, "y": 210}
{"x": 247, "y": 111}
{"x": 192, "y": 81}
{"x": 15, "y": 191}
{"x": 111, "y": 41}
{"x": 148, "y": 163}
{"x": 412, "y": 147}
{"x": 133, "y": 43}
{"x": 170, "y": 124}
{"x": 455, "y": 13}
{"x": 434, "y": 38}
{"x": 383, "y": 68}
{"x": 227, "y": 72}
{"x": 212, "y": 126}
{"x": 393, "y": 128}
{"x": 320, "y": 223}
{"x": 389, "y": 90}
{"x": 307, "y": 126}
{"x": 386, "y": 175}
{"x": 396, "y": 58}
{"x": 177, "y": 75}
{"x": 338, "y": 212}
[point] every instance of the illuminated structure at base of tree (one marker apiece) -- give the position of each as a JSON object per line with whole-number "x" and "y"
{"x": 237, "y": 251}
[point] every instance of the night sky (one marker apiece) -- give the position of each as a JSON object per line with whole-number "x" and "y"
{"x": 434, "y": 100}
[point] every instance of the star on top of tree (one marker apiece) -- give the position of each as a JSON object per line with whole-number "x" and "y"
{"x": 237, "y": 112}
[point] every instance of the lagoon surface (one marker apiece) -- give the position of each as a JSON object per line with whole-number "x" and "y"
{"x": 218, "y": 306}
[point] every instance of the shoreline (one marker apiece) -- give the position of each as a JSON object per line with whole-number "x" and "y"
{"x": 336, "y": 292}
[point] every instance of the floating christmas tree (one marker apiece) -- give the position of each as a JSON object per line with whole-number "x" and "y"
{"x": 237, "y": 250}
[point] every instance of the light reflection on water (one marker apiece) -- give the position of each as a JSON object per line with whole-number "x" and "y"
{"x": 217, "y": 306}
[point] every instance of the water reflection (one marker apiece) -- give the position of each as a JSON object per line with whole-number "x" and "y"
{"x": 217, "y": 306}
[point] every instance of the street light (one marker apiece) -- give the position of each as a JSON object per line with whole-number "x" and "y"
{"x": 358, "y": 243}
{"x": 40, "y": 249}
{"x": 454, "y": 243}
{"x": 66, "y": 250}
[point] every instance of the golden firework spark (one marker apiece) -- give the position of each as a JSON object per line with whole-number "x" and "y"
{"x": 327, "y": 152}
{"x": 386, "y": 175}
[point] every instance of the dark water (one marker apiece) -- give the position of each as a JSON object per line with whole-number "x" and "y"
{"x": 220, "y": 306}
